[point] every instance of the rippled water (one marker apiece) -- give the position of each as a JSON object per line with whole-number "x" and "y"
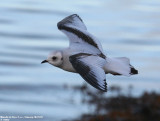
{"x": 28, "y": 32}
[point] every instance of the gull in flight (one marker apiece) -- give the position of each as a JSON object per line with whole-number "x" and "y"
{"x": 85, "y": 55}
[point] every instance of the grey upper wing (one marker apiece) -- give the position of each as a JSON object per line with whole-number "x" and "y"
{"x": 90, "y": 69}
{"x": 76, "y": 31}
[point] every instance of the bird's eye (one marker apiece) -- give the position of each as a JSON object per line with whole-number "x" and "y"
{"x": 54, "y": 58}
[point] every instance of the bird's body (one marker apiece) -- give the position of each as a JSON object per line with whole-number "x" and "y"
{"x": 85, "y": 55}
{"x": 67, "y": 66}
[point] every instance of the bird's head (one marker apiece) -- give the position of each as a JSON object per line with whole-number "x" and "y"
{"x": 55, "y": 58}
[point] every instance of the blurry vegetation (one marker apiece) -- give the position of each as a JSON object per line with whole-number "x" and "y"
{"x": 120, "y": 107}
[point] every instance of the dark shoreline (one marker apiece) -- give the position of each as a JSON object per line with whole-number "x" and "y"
{"x": 120, "y": 107}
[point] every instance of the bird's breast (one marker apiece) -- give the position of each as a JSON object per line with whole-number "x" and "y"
{"x": 67, "y": 66}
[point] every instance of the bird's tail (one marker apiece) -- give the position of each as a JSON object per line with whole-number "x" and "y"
{"x": 119, "y": 66}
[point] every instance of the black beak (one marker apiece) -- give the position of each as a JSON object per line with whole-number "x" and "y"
{"x": 44, "y": 61}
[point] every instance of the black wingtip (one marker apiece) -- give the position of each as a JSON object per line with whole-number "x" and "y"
{"x": 74, "y": 15}
{"x": 102, "y": 88}
{"x": 105, "y": 84}
{"x": 67, "y": 19}
{"x": 133, "y": 71}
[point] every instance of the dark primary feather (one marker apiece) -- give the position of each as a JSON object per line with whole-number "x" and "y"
{"x": 87, "y": 72}
{"x": 68, "y": 20}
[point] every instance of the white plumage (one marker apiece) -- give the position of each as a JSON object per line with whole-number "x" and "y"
{"x": 85, "y": 55}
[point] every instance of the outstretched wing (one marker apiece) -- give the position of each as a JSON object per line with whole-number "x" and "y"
{"x": 90, "y": 69}
{"x": 76, "y": 31}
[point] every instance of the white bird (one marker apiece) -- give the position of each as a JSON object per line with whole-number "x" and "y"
{"x": 85, "y": 55}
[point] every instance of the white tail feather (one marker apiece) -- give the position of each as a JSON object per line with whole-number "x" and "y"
{"x": 118, "y": 66}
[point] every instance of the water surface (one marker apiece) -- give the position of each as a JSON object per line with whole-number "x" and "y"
{"x": 28, "y": 32}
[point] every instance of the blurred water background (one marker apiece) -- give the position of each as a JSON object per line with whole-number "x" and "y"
{"x": 28, "y": 32}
